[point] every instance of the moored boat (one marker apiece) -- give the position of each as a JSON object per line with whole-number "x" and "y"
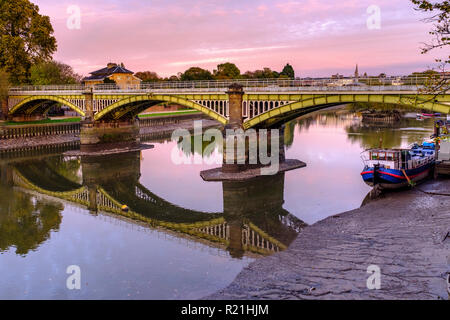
{"x": 429, "y": 115}
{"x": 397, "y": 168}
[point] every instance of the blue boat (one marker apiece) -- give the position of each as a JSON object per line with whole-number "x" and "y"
{"x": 397, "y": 168}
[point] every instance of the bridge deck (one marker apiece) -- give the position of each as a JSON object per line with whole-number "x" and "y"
{"x": 265, "y": 102}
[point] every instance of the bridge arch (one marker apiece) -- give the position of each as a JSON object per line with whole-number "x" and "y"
{"x": 292, "y": 110}
{"x": 28, "y": 105}
{"x": 135, "y": 104}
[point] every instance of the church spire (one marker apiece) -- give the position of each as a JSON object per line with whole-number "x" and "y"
{"x": 356, "y": 72}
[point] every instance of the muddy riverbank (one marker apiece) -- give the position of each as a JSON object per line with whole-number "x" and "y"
{"x": 404, "y": 233}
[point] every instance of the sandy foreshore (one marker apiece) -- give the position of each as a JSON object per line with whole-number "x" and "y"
{"x": 404, "y": 233}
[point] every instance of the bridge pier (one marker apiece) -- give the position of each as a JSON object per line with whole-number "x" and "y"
{"x": 101, "y": 170}
{"x": 89, "y": 104}
{"x": 255, "y": 153}
{"x": 235, "y": 95}
{"x": 249, "y": 153}
{"x": 98, "y": 171}
{"x": 93, "y": 206}
{"x": 238, "y": 161}
{"x": 104, "y": 135}
{"x": 262, "y": 207}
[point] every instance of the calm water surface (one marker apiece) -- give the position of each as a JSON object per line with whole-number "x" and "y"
{"x": 182, "y": 238}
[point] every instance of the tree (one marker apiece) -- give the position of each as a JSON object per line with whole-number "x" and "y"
{"x": 425, "y": 78}
{"x": 147, "y": 76}
{"x": 26, "y": 38}
{"x": 4, "y": 85}
{"x": 227, "y": 71}
{"x": 24, "y": 224}
{"x": 53, "y": 72}
{"x": 440, "y": 18}
{"x": 171, "y": 78}
{"x": 196, "y": 73}
{"x": 288, "y": 71}
{"x": 266, "y": 73}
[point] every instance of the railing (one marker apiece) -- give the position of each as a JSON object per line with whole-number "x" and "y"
{"x": 399, "y": 83}
{"x": 26, "y": 131}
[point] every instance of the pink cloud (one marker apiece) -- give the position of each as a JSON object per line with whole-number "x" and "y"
{"x": 318, "y": 37}
{"x": 261, "y": 10}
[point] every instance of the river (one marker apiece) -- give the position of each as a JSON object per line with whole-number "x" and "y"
{"x": 180, "y": 237}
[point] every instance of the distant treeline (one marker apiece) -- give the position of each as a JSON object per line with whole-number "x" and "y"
{"x": 224, "y": 71}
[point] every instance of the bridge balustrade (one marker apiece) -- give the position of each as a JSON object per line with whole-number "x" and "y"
{"x": 395, "y": 83}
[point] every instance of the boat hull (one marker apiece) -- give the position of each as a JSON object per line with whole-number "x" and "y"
{"x": 395, "y": 179}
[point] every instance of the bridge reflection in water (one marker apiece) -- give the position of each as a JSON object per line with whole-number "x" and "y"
{"x": 253, "y": 221}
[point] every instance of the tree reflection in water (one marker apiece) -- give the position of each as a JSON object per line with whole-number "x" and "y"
{"x": 25, "y": 223}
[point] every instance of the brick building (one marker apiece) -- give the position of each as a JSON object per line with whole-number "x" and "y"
{"x": 123, "y": 77}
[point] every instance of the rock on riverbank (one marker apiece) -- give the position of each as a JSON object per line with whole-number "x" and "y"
{"x": 402, "y": 233}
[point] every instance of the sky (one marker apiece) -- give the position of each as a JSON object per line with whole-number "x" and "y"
{"x": 317, "y": 37}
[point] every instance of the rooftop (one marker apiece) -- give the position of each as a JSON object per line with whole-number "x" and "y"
{"x": 109, "y": 70}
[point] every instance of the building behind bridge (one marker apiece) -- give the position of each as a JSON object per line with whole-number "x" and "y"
{"x": 113, "y": 73}
{"x": 124, "y": 79}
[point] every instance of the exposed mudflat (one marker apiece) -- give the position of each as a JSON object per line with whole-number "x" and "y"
{"x": 32, "y": 142}
{"x": 404, "y": 233}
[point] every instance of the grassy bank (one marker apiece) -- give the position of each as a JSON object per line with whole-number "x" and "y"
{"x": 78, "y": 119}
{"x": 159, "y": 114}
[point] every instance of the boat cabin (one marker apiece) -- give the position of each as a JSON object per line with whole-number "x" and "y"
{"x": 399, "y": 158}
{"x": 388, "y": 159}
